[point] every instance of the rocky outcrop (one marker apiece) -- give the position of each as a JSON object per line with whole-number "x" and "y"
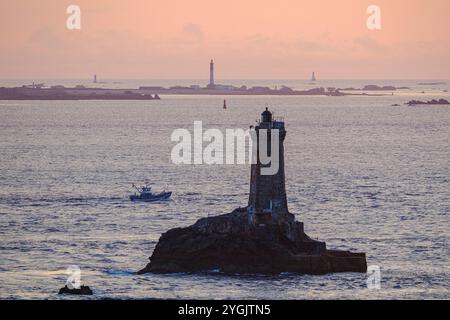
{"x": 82, "y": 290}
{"x": 373, "y": 87}
{"x": 232, "y": 245}
{"x": 430, "y": 102}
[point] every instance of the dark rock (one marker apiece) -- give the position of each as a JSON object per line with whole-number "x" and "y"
{"x": 83, "y": 290}
{"x": 372, "y": 87}
{"x": 232, "y": 245}
{"x": 430, "y": 102}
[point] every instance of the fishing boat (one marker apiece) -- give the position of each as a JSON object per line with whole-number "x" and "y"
{"x": 146, "y": 194}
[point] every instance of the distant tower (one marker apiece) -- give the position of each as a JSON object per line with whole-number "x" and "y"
{"x": 313, "y": 78}
{"x": 95, "y": 78}
{"x": 267, "y": 203}
{"x": 211, "y": 73}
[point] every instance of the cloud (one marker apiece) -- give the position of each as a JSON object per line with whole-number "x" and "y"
{"x": 368, "y": 43}
{"x": 193, "y": 31}
{"x": 45, "y": 38}
{"x": 311, "y": 46}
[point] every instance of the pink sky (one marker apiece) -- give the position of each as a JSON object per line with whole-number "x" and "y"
{"x": 249, "y": 39}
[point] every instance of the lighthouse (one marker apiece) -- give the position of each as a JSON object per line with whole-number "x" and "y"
{"x": 267, "y": 203}
{"x": 263, "y": 238}
{"x": 211, "y": 74}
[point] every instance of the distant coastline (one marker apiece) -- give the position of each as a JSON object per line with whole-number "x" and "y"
{"x": 38, "y": 92}
{"x": 79, "y": 92}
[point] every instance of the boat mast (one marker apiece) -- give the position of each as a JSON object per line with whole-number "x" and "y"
{"x": 140, "y": 191}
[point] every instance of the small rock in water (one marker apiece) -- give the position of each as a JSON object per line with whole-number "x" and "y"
{"x": 83, "y": 290}
{"x": 431, "y": 102}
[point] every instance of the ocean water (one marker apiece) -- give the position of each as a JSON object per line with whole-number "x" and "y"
{"x": 361, "y": 174}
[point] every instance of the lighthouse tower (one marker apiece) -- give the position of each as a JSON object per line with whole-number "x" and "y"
{"x": 267, "y": 203}
{"x": 211, "y": 74}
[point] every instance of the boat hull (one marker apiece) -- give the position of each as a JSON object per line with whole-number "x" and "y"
{"x": 153, "y": 198}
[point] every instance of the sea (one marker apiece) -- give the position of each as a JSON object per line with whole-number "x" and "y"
{"x": 362, "y": 173}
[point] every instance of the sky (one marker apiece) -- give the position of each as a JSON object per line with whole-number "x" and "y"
{"x": 248, "y": 39}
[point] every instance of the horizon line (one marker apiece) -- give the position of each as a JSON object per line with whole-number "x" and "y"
{"x": 233, "y": 79}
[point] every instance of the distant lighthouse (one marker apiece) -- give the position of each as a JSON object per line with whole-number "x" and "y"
{"x": 211, "y": 73}
{"x": 313, "y": 78}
